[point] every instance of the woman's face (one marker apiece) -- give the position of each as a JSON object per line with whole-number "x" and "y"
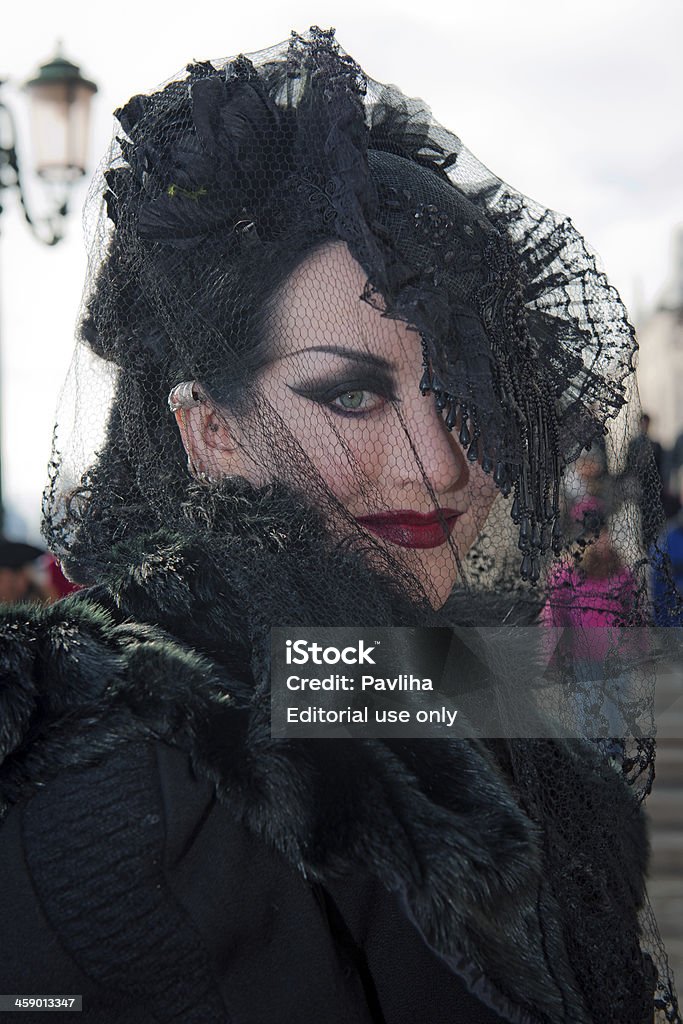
{"x": 342, "y": 384}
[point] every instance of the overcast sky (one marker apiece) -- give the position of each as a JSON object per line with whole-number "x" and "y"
{"x": 576, "y": 104}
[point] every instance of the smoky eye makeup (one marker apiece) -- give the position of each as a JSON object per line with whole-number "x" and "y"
{"x": 325, "y": 389}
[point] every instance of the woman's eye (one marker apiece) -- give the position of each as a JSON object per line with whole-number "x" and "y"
{"x": 357, "y": 401}
{"x": 358, "y": 396}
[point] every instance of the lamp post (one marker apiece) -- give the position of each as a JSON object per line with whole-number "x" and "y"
{"x": 59, "y": 100}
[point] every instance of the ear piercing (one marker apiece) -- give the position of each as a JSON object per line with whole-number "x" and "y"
{"x": 187, "y": 395}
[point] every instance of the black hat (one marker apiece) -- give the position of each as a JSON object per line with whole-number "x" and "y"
{"x": 14, "y": 554}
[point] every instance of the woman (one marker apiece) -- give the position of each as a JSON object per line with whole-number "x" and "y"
{"x": 589, "y": 598}
{"x": 378, "y": 361}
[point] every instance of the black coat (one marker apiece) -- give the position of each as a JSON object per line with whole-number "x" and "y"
{"x": 164, "y": 857}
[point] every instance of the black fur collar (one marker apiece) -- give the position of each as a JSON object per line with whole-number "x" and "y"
{"x": 441, "y": 823}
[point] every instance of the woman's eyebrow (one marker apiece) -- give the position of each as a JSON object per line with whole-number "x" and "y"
{"x": 348, "y": 353}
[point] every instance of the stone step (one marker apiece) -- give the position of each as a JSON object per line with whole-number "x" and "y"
{"x": 668, "y": 692}
{"x": 665, "y": 806}
{"x": 668, "y": 764}
{"x": 666, "y": 896}
{"x": 667, "y": 698}
{"x": 670, "y": 723}
{"x": 668, "y": 676}
{"x": 669, "y": 750}
{"x": 674, "y": 954}
{"x": 667, "y": 852}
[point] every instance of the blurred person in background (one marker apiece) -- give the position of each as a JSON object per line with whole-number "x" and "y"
{"x": 667, "y": 570}
{"x": 643, "y": 474}
{"x": 644, "y": 449}
{"x": 589, "y": 596}
{"x": 22, "y": 573}
{"x": 586, "y": 478}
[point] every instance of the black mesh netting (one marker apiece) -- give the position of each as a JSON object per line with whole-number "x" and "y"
{"x": 400, "y": 392}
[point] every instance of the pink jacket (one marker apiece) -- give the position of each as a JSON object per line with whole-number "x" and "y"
{"x": 588, "y": 605}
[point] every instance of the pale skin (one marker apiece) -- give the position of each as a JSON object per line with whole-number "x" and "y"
{"x": 342, "y": 382}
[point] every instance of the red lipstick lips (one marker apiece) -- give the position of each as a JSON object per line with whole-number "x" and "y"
{"x": 411, "y": 529}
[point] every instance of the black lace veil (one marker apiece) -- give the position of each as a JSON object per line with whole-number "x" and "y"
{"x": 352, "y": 318}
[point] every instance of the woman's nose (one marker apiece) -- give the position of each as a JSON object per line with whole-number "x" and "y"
{"x": 426, "y": 450}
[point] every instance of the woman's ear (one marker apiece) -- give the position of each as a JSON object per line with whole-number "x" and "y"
{"x": 208, "y": 436}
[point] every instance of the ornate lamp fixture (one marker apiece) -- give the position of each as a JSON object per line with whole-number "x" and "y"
{"x": 60, "y": 99}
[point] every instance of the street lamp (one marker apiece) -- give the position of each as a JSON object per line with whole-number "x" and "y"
{"x": 60, "y": 101}
{"x": 60, "y": 113}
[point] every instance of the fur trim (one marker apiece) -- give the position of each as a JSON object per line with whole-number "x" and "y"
{"x": 438, "y": 822}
